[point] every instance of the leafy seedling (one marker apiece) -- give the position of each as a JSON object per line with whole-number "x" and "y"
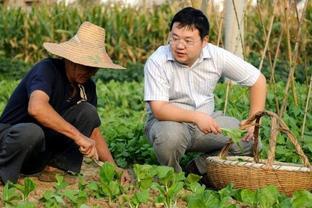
{"x": 235, "y": 134}
{"x": 10, "y": 195}
{"x": 26, "y": 188}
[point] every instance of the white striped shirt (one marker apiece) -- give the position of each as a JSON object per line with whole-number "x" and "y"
{"x": 192, "y": 87}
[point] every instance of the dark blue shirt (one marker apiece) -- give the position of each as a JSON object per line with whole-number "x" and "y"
{"x": 49, "y": 76}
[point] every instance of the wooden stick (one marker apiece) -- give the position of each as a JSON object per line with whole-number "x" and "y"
{"x": 291, "y": 58}
{"x": 306, "y": 110}
{"x": 268, "y": 36}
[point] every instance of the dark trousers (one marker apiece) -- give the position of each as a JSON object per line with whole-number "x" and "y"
{"x": 26, "y": 148}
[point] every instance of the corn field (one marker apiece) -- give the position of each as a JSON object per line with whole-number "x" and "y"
{"x": 133, "y": 33}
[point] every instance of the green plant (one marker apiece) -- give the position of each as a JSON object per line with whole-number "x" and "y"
{"x": 169, "y": 185}
{"x": 10, "y": 195}
{"x": 109, "y": 182}
{"x": 301, "y": 199}
{"x": 25, "y": 188}
{"x": 16, "y": 195}
{"x": 55, "y": 198}
{"x": 235, "y": 134}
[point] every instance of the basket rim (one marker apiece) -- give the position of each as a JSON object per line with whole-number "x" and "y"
{"x": 249, "y": 162}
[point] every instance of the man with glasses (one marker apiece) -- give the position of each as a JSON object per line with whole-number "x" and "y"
{"x": 179, "y": 82}
{"x": 51, "y": 121}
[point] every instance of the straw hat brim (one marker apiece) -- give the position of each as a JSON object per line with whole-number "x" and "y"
{"x": 82, "y": 54}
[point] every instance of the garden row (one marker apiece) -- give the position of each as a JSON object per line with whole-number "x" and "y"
{"x": 121, "y": 108}
{"x": 155, "y": 186}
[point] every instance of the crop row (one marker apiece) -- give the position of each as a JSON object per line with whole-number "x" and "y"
{"x": 121, "y": 108}
{"x": 154, "y": 186}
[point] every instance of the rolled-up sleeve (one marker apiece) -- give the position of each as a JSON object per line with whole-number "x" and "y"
{"x": 156, "y": 85}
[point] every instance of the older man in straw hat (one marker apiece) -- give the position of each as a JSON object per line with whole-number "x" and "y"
{"x": 50, "y": 120}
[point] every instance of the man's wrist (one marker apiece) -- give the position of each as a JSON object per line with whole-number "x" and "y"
{"x": 194, "y": 117}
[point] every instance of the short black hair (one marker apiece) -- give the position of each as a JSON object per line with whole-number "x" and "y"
{"x": 191, "y": 17}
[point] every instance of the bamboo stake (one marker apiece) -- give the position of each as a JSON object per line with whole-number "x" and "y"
{"x": 272, "y": 80}
{"x": 297, "y": 15}
{"x": 264, "y": 30}
{"x": 293, "y": 83}
{"x": 272, "y": 77}
{"x": 227, "y": 92}
{"x": 306, "y": 109}
{"x": 276, "y": 56}
{"x": 294, "y": 57}
{"x": 220, "y": 30}
{"x": 26, "y": 38}
{"x": 268, "y": 37}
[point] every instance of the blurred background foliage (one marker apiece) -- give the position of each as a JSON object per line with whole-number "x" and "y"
{"x": 133, "y": 33}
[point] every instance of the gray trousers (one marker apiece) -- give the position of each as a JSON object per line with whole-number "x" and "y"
{"x": 26, "y": 148}
{"x": 171, "y": 140}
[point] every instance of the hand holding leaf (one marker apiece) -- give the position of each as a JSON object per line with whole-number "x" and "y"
{"x": 235, "y": 134}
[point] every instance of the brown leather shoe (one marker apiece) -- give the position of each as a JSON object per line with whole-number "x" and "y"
{"x": 49, "y": 175}
{"x": 192, "y": 168}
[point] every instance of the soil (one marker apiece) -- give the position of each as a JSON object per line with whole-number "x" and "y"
{"x": 90, "y": 172}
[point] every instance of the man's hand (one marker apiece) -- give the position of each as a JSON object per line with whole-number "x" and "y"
{"x": 206, "y": 123}
{"x": 87, "y": 147}
{"x": 40, "y": 109}
{"x": 250, "y": 131}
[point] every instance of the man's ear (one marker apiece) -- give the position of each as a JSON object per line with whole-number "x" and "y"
{"x": 205, "y": 40}
{"x": 168, "y": 38}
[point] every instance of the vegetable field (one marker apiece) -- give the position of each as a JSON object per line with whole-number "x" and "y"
{"x": 131, "y": 36}
{"x": 121, "y": 108}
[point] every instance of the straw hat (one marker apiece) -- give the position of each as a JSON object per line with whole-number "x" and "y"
{"x": 85, "y": 48}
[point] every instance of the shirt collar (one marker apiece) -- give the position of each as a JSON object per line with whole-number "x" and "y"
{"x": 205, "y": 52}
{"x": 169, "y": 54}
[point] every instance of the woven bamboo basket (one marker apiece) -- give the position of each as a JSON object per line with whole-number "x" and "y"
{"x": 253, "y": 173}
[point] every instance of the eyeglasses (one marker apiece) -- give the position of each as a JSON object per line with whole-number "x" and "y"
{"x": 187, "y": 43}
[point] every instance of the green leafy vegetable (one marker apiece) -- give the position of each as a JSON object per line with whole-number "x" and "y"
{"x": 235, "y": 134}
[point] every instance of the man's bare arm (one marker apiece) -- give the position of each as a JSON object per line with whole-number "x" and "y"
{"x": 101, "y": 146}
{"x": 166, "y": 111}
{"x": 257, "y": 95}
{"x": 43, "y": 112}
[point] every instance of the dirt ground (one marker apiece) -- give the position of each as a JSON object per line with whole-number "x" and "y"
{"x": 90, "y": 172}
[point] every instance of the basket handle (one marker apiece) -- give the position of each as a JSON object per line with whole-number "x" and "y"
{"x": 249, "y": 122}
{"x": 277, "y": 125}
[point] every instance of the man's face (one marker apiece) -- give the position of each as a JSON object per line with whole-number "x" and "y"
{"x": 186, "y": 44}
{"x": 80, "y": 73}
